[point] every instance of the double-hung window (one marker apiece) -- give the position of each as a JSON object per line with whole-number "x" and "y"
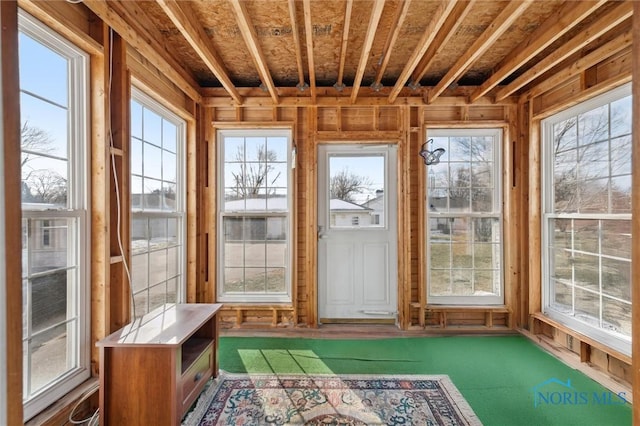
{"x": 587, "y": 218}
{"x": 157, "y": 204}
{"x": 464, "y": 229}
{"x": 55, "y": 237}
{"x": 254, "y": 215}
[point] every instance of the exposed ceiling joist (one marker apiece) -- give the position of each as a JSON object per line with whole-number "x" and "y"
{"x": 398, "y": 20}
{"x": 343, "y": 47}
{"x": 448, "y": 29}
{"x": 308, "y": 31}
{"x": 248, "y": 32}
{"x": 183, "y": 18}
{"x": 567, "y": 17}
{"x": 147, "y": 45}
{"x": 499, "y": 25}
{"x": 440, "y": 17}
{"x": 376, "y": 13}
{"x": 614, "y": 17}
{"x": 296, "y": 42}
{"x": 605, "y": 51}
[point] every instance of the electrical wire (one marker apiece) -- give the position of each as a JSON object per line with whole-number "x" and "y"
{"x": 115, "y": 180}
{"x": 94, "y": 419}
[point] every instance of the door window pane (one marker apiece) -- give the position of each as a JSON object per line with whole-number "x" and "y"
{"x": 357, "y": 191}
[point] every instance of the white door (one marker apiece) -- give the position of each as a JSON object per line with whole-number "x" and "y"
{"x": 357, "y": 232}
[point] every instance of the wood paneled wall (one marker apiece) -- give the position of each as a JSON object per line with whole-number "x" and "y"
{"x": 406, "y": 126}
{"x": 135, "y": 59}
{"x": 591, "y": 75}
{"x": 11, "y": 401}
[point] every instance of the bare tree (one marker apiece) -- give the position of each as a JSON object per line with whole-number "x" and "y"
{"x": 581, "y": 158}
{"x": 47, "y": 186}
{"x": 344, "y": 185}
{"x": 255, "y": 178}
{"x": 33, "y": 141}
{"x": 39, "y": 185}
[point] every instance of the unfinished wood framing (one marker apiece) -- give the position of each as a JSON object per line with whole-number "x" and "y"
{"x": 635, "y": 226}
{"x": 206, "y": 66}
{"x": 11, "y": 273}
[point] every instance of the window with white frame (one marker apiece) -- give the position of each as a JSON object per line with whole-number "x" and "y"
{"x": 464, "y": 229}
{"x": 55, "y": 243}
{"x": 255, "y": 199}
{"x": 157, "y": 205}
{"x": 587, "y": 217}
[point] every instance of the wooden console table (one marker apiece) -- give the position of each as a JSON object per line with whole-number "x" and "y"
{"x": 152, "y": 370}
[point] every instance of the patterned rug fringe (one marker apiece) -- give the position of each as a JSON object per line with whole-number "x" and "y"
{"x": 455, "y": 409}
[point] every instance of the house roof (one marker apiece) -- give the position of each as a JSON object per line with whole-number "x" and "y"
{"x": 379, "y": 48}
{"x": 342, "y": 205}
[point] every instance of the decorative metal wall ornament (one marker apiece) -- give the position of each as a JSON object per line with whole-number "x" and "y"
{"x": 431, "y": 157}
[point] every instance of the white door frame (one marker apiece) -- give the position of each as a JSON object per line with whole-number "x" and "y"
{"x": 379, "y": 301}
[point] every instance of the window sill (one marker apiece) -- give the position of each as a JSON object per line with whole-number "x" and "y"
{"x": 581, "y": 337}
{"x": 58, "y": 412}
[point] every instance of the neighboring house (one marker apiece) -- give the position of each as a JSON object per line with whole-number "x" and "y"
{"x": 438, "y": 224}
{"x": 261, "y": 228}
{"x": 151, "y": 202}
{"x": 377, "y": 206}
{"x": 347, "y": 214}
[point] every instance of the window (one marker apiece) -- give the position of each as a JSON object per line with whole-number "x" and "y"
{"x": 254, "y": 215}
{"x": 46, "y": 233}
{"x": 464, "y": 218}
{"x": 587, "y": 218}
{"x": 56, "y": 339}
{"x": 355, "y": 221}
{"x": 157, "y": 205}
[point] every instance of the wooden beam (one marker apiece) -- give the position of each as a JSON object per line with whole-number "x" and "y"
{"x": 296, "y": 41}
{"x": 311, "y": 217}
{"x": 455, "y": 18}
{"x": 301, "y": 102}
{"x": 623, "y": 41}
{"x": 11, "y": 401}
{"x": 503, "y": 21}
{"x": 374, "y": 19}
{"x": 192, "y": 175}
{"x": 575, "y": 98}
{"x": 60, "y": 17}
{"x": 398, "y": 20}
{"x": 614, "y": 17}
{"x": 151, "y": 81}
{"x": 146, "y": 44}
{"x": 345, "y": 39}
{"x": 119, "y": 290}
{"x": 100, "y": 193}
{"x": 248, "y": 32}
{"x": 635, "y": 210}
{"x": 440, "y": 17}
{"x": 182, "y": 16}
{"x": 308, "y": 30}
{"x": 565, "y": 18}
{"x": 535, "y": 219}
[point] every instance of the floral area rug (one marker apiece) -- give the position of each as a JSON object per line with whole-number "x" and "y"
{"x": 234, "y": 399}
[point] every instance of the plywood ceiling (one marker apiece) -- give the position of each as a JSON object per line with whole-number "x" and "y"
{"x": 320, "y": 46}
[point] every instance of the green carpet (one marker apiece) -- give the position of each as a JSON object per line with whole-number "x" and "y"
{"x": 503, "y": 378}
